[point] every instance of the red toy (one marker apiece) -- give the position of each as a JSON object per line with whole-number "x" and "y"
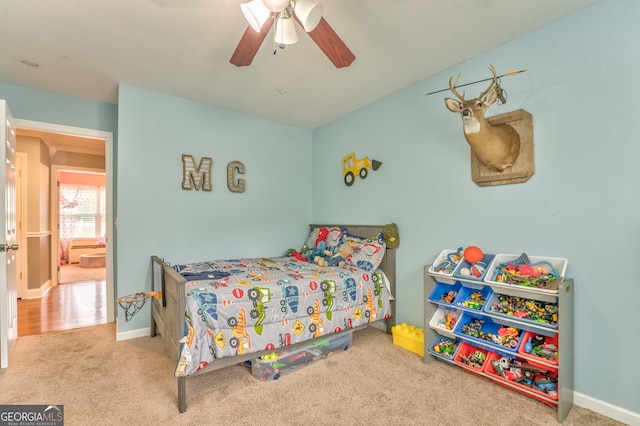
{"x": 473, "y": 254}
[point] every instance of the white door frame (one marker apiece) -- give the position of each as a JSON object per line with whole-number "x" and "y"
{"x": 108, "y": 139}
{"x": 21, "y": 209}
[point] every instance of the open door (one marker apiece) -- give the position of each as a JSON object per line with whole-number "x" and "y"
{"x": 8, "y": 246}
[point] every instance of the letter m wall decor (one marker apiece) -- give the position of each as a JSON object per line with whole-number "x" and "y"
{"x": 196, "y": 177}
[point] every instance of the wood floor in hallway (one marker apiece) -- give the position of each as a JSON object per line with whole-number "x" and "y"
{"x": 64, "y": 307}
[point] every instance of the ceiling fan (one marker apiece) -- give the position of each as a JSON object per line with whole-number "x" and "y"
{"x": 263, "y": 14}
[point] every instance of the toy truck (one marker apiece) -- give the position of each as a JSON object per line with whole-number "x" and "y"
{"x": 352, "y": 167}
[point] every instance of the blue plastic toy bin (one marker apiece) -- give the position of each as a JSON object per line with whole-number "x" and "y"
{"x": 444, "y": 347}
{"x": 534, "y": 312}
{"x": 488, "y": 327}
{"x": 486, "y": 262}
{"x": 464, "y": 300}
{"x": 440, "y": 291}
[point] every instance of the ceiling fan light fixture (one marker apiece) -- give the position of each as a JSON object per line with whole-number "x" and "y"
{"x": 276, "y": 5}
{"x": 285, "y": 32}
{"x": 309, "y": 13}
{"x": 256, "y": 14}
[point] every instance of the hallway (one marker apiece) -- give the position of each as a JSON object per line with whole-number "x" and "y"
{"x": 79, "y": 302}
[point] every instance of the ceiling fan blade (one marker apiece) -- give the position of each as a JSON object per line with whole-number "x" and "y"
{"x": 331, "y": 44}
{"x": 249, "y": 45}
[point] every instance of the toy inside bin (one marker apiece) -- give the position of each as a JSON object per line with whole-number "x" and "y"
{"x": 471, "y": 358}
{"x": 444, "y": 347}
{"x": 531, "y": 311}
{"x": 488, "y": 333}
{"x": 529, "y": 376}
{"x": 474, "y": 271}
{"x": 445, "y": 294}
{"x": 544, "y": 273}
{"x": 542, "y": 347}
{"x": 445, "y": 264}
{"x": 472, "y": 299}
{"x": 444, "y": 320}
{"x": 275, "y": 365}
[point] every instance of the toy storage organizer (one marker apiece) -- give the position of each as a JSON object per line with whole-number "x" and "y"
{"x": 461, "y": 313}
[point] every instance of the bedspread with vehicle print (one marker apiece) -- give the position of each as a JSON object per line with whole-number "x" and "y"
{"x": 241, "y": 306}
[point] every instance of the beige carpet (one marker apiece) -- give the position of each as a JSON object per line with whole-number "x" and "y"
{"x": 101, "y": 381}
{"x": 74, "y": 273}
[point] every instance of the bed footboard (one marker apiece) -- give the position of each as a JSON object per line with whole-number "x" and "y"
{"x": 167, "y": 312}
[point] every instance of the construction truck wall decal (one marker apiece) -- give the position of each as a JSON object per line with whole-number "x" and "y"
{"x": 352, "y": 167}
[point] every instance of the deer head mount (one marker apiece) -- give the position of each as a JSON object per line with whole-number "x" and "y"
{"x": 497, "y": 147}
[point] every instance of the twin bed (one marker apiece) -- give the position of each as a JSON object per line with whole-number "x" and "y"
{"x": 214, "y": 314}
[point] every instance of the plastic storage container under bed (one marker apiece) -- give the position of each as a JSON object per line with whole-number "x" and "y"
{"x": 273, "y": 366}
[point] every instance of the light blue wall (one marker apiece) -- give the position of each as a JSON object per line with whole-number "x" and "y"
{"x": 156, "y": 216}
{"x": 582, "y": 203}
{"x": 38, "y": 105}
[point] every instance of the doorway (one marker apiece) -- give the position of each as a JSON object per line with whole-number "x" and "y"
{"x": 84, "y": 292}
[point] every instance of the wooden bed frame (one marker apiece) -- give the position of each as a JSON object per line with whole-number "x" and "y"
{"x": 167, "y": 312}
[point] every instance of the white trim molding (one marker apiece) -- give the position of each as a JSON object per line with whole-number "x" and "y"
{"x": 109, "y": 160}
{"x": 133, "y": 334}
{"x": 38, "y": 293}
{"x": 617, "y": 413}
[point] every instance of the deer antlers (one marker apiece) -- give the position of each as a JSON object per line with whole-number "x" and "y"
{"x": 483, "y": 94}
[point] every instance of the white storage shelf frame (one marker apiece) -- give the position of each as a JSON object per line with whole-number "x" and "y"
{"x": 564, "y": 332}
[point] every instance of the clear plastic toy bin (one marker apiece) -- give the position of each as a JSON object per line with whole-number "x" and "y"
{"x": 273, "y": 366}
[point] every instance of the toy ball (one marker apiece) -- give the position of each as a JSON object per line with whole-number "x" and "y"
{"x": 465, "y": 272}
{"x": 473, "y": 254}
{"x": 477, "y": 270}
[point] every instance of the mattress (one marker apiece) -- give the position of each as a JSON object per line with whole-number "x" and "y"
{"x": 240, "y": 306}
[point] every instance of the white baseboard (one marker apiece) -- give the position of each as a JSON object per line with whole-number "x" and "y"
{"x": 38, "y": 293}
{"x": 126, "y": 335}
{"x": 617, "y": 413}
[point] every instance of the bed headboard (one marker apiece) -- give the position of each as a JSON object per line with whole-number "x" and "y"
{"x": 388, "y": 263}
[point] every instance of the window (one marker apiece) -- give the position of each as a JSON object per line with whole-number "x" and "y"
{"x": 82, "y": 211}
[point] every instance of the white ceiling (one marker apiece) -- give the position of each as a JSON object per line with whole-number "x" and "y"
{"x": 85, "y": 48}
